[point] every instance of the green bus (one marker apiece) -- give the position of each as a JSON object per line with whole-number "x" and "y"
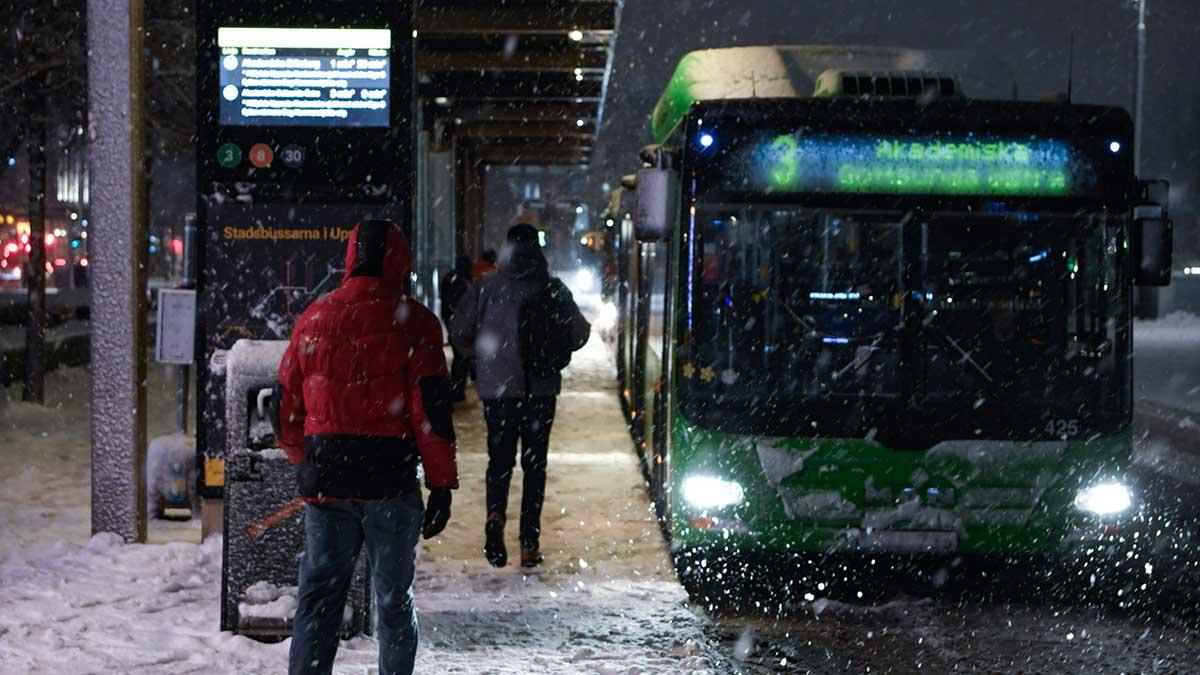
{"x": 880, "y": 317}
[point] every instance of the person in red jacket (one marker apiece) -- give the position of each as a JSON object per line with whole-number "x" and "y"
{"x": 485, "y": 266}
{"x": 363, "y": 393}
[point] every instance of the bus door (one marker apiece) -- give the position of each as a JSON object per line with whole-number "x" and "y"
{"x": 653, "y": 268}
{"x": 626, "y": 264}
{"x": 664, "y": 312}
{"x": 640, "y": 298}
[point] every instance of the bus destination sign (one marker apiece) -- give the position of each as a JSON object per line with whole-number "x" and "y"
{"x": 927, "y": 165}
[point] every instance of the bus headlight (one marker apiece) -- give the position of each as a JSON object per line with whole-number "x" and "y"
{"x": 706, "y": 492}
{"x": 1104, "y": 499}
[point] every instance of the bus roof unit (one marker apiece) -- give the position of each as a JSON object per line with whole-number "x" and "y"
{"x": 906, "y": 84}
{"x": 794, "y": 71}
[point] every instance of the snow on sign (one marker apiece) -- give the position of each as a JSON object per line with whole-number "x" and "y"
{"x": 176, "y": 335}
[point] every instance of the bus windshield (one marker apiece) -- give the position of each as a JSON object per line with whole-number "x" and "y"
{"x": 905, "y": 326}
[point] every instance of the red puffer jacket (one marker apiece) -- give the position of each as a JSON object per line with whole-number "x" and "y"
{"x": 363, "y": 382}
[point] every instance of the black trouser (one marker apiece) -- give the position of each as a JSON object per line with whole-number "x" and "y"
{"x": 460, "y": 369}
{"x": 527, "y": 420}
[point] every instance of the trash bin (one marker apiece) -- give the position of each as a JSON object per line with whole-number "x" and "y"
{"x": 264, "y": 528}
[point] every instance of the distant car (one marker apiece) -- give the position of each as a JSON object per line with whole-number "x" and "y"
{"x": 10, "y": 277}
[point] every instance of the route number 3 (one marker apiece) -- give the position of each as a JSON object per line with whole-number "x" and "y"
{"x": 1062, "y": 428}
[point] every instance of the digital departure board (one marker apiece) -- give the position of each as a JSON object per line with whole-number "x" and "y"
{"x": 314, "y": 77}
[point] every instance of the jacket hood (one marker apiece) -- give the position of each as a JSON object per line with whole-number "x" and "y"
{"x": 522, "y": 260}
{"x": 377, "y": 248}
{"x": 462, "y": 265}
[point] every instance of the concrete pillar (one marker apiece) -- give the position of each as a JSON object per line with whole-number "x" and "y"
{"x": 441, "y": 208}
{"x": 462, "y": 240}
{"x": 468, "y": 210}
{"x": 117, "y": 248}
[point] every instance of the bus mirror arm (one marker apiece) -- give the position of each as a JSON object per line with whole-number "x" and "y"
{"x": 1152, "y": 193}
{"x": 657, "y": 157}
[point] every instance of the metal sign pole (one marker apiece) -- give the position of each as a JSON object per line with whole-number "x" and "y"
{"x": 118, "y": 252}
{"x": 189, "y": 281}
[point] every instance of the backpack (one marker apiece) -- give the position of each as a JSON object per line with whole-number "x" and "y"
{"x": 544, "y": 330}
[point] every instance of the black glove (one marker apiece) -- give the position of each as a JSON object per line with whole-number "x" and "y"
{"x": 437, "y": 512}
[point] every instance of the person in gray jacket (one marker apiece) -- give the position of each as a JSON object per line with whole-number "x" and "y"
{"x": 517, "y": 405}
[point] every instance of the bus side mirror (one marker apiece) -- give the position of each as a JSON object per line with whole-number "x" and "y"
{"x": 1152, "y": 242}
{"x": 657, "y": 196}
{"x": 1152, "y": 235}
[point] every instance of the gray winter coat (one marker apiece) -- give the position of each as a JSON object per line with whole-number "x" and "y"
{"x": 485, "y": 325}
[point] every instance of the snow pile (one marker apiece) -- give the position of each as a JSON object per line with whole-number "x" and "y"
{"x": 111, "y": 607}
{"x": 1174, "y": 328}
{"x": 265, "y": 600}
{"x": 1166, "y": 361}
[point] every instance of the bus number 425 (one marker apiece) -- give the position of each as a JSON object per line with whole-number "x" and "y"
{"x": 1062, "y": 428}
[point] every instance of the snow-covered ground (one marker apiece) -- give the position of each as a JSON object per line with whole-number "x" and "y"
{"x": 45, "y": 487}
{"x": 106, "y": 607}
{"x": 1166, "y": 363}
{"x": 606, "y": 601}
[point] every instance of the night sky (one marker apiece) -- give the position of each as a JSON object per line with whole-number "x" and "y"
{"x": 1030, "y": 37}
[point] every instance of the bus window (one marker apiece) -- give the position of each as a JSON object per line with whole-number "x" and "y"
{"x": 800, "y": 319}
{"x": 1018, "y": 313}
{"x": 797, "y": 302}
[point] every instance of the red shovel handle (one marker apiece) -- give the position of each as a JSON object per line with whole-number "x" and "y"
{"x": 257, "y": 528}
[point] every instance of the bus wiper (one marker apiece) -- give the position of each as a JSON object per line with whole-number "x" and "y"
{"x": 856, "y": 362}
{"x": 790, "y": 312}
{"x": 967, "y": 357}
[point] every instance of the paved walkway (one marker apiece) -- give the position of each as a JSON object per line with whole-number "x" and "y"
{"x": 606, "y": 599}
{"x": 605, "y": 602}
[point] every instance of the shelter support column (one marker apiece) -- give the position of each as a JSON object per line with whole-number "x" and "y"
{"x": 469, "y": 209}
{"x": 117, "y": 250}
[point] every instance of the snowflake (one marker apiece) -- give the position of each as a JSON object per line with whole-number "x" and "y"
{"x": 707, "y": 374}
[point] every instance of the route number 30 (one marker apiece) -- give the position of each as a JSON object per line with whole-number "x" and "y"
{"x": 1062, "y": 427}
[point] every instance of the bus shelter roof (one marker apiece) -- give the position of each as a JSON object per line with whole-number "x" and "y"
{"x": 517, "y": 82}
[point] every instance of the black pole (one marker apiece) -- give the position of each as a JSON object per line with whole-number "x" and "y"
{"x": 34, "y": 388}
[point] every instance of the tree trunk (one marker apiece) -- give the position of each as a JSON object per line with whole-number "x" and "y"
{"x": 34, "y": 388}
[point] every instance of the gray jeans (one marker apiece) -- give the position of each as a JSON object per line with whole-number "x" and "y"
{"x": 334, "y": 533}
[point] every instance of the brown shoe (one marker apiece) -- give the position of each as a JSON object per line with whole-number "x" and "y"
{"x": 531, "y": 557}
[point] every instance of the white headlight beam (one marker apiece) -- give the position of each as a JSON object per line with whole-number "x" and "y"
{"x": 708, "y": 492}
{"x": 1104, "y": 499}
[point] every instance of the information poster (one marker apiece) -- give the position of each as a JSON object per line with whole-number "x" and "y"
{"x": 263, "y": 264}
{"x": 176, "y": 326}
